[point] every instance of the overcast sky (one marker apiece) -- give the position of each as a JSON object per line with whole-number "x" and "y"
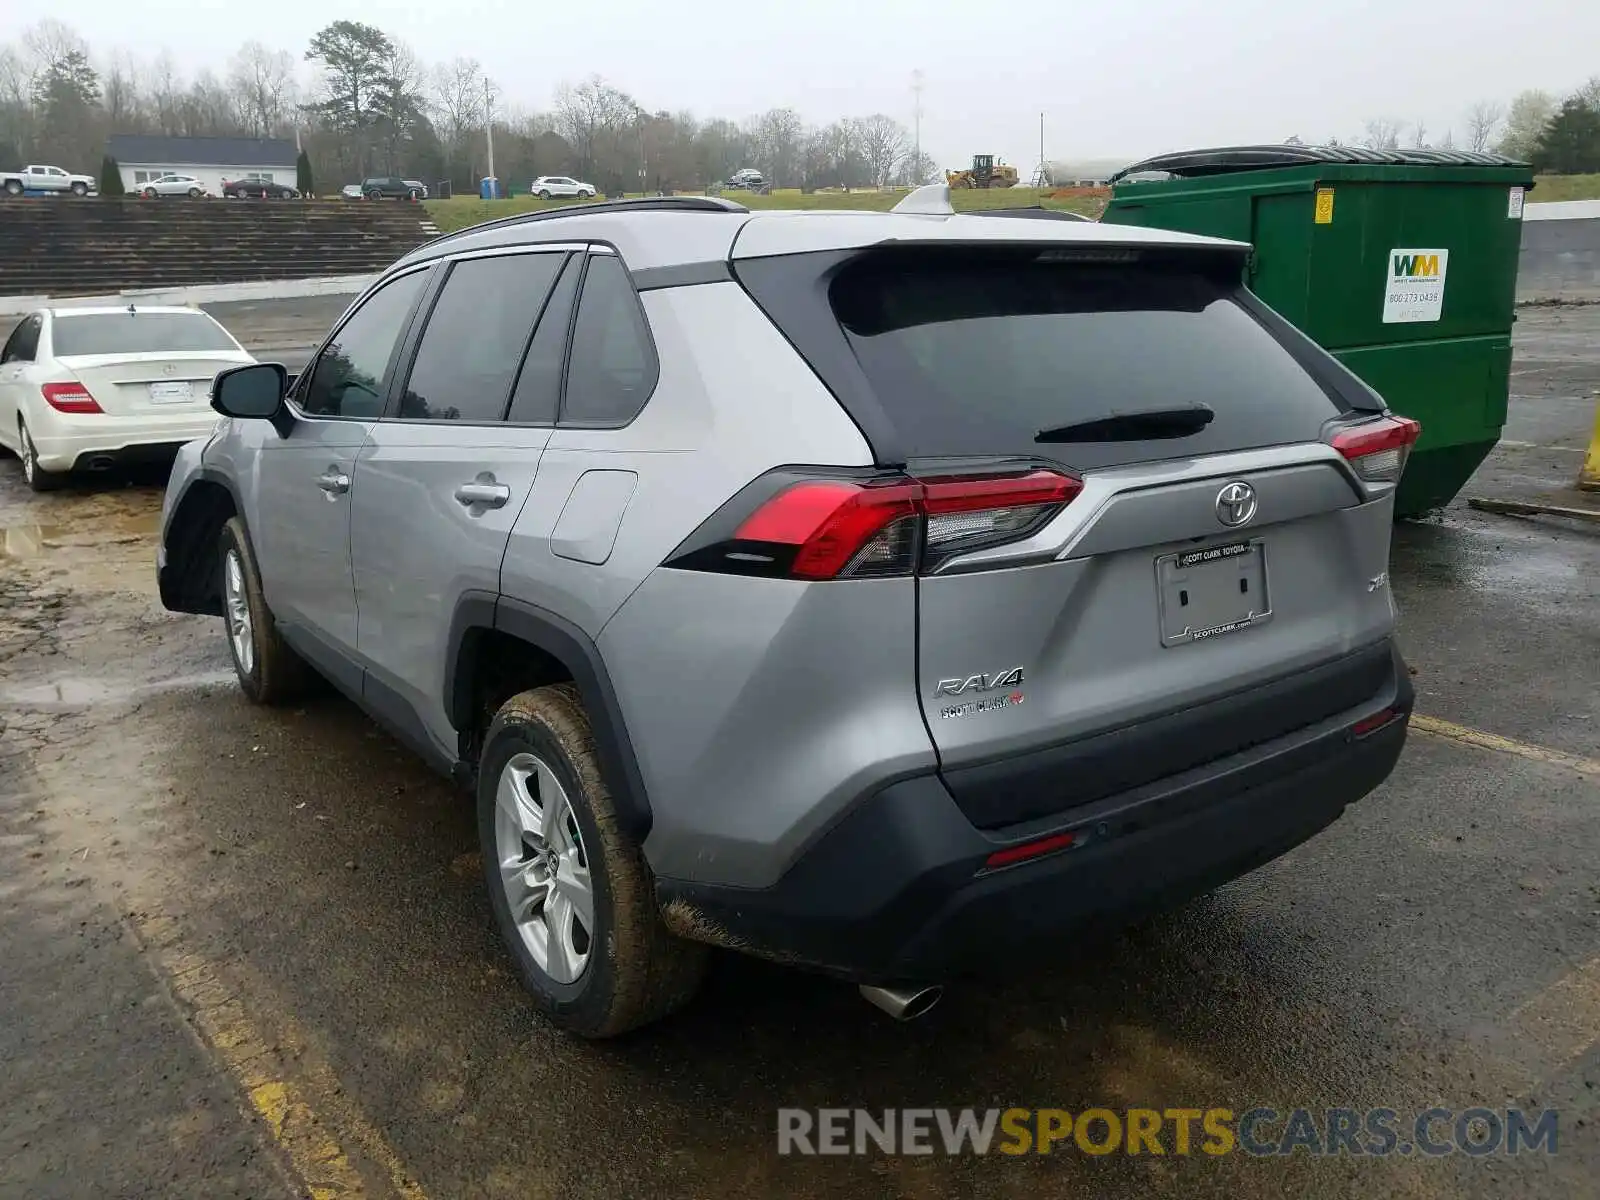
{"x": 1115, "y": 80}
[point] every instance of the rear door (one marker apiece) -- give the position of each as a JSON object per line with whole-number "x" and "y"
{"x": 445, "y": 473}
{"x": 1210, "y": 551}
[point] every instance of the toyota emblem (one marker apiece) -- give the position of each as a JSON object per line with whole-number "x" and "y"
{"x": 1236, "y": 503}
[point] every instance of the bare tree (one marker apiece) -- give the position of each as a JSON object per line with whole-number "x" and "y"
{"x": 779, "y": 138}
{"x": 263, "y": 85}
{"x": 166, "y": 94}
{"x": 1382, "y": 133}
{"x": 1419, "y": 135}
{"x": 459, "y": 103}
{"x": 120, "y": 93}
{"x": 884, "y": 142}
{"x": 594, "y": 117}
{"x": 1483, "y": 118}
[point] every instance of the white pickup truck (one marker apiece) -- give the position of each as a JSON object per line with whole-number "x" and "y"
{"x": 37, "y": 178}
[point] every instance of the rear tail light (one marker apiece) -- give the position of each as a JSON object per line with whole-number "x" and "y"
{"x": 860, "y": 529}
{"x": 1378, "y": 449}
{"x": 69, "y": 398}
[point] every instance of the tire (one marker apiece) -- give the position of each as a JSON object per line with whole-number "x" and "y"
{"x": 544, "y": 193}
{"x": 13, "y": 187}
{"x": 585, "y": 194}
{"x": 374, "y": 194}
{"x": 80, "y": 189}
{"x": 269, "y": 672}
{"x": 194, "y": 193}
{"x": 413, "y": 194}
{"x": 632, "y": 971}
{"x": 35, "y": 476}
{"x": 151, "y": 194}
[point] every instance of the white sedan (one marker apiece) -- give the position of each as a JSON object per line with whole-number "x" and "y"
{"x": 90, "y": 388}
{"x": 174, "y": 185}
{"x": 547, "y": 186}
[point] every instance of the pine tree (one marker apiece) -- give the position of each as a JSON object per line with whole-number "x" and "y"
{"x": 111, "y": 178}
{"x": 302, "y": 174}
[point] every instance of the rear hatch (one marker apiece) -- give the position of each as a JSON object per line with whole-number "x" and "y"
{"x": 145, "y": 363}
{"x": 1199, "y": 567}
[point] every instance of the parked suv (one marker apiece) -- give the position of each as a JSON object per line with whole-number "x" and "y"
{"x": 391, "y": 187}
{"x": 547, "y": 186}
{"x": 887, "y": 594}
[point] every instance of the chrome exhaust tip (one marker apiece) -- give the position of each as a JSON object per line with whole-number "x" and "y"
{"x": 903, "y": 1004}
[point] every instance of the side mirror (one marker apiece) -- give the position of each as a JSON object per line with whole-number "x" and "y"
{"x": 254, "y": 390}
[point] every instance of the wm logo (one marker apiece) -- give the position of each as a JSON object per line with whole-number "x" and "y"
{"x": 1416, "y": 266}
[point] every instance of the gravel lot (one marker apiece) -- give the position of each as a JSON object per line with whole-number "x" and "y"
{"x": 247, "y": 953}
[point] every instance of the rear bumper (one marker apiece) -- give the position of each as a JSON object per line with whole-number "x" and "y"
{"x": 72, "y": 442}
{"x": 898, "y": 891}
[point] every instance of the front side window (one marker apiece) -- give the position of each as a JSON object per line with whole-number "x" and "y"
{"x": 348, "y": 379}
{"x": 480, "y": 326}
{"x": 612, "y": 368}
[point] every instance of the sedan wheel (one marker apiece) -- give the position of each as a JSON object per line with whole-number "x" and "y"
{"x": 543, "y": 868}
{"x": 33, "y": 474}
{"x": 151, "y": 194}
{"x": 194, "y": 193}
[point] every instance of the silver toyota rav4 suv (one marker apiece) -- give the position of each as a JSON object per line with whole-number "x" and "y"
{"x": 887, "y": 594}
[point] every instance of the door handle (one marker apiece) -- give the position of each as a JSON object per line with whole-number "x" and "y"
{"x": 484, "y": 492}
{"x": 334, "y": 482}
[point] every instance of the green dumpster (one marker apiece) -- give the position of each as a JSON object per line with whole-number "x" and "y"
{"x": 1401, "y": 263}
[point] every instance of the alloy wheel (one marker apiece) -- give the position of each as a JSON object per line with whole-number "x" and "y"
{"x": 543, "y": 868}
{"x": 240, "y": 629}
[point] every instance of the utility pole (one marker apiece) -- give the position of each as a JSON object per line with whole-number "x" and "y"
{"x": 916, "y": 117}
{"x": 488, "y": 123}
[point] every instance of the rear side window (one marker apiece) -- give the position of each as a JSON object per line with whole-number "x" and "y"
{"x": 138, "y": 333}
{"x": 979, "y": 351}
{"x": 23, "y": 345}
{"x": 611, "y": 370}
{"x": 538, "y": 393}
{"x": 475, "y": 338}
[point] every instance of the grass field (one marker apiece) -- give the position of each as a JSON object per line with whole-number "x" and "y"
{"x": 462, "y": 211}
{"x": 1564, "y": 187}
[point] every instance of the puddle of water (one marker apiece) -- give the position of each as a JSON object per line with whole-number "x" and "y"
{"x": 85, "y": 693}
{"x": 31, "y": 541}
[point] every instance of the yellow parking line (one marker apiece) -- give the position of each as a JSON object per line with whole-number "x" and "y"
{"x": 306, "y": 1115}
{"x": 1565, "y": 1017}
{"x": 1468, "y": 736}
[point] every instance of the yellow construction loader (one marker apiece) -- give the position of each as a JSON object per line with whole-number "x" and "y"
{"x": 984, "y": 173}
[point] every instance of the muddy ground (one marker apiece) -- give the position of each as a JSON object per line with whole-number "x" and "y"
{"x": 244, "y": 952}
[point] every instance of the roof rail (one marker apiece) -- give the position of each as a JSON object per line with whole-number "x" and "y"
{"x": 639, "y": 203}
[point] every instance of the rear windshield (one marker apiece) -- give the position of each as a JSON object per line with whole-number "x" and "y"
{"x": 978, "y": 353}
{"x": 138, "y": 333}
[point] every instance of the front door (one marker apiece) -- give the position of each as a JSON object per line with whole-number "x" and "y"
{"x": 302, "y": 533}
{"x": 442, "y": 478}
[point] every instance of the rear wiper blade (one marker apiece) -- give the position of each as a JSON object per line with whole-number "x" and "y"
{"x": 1133, "y": 426}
